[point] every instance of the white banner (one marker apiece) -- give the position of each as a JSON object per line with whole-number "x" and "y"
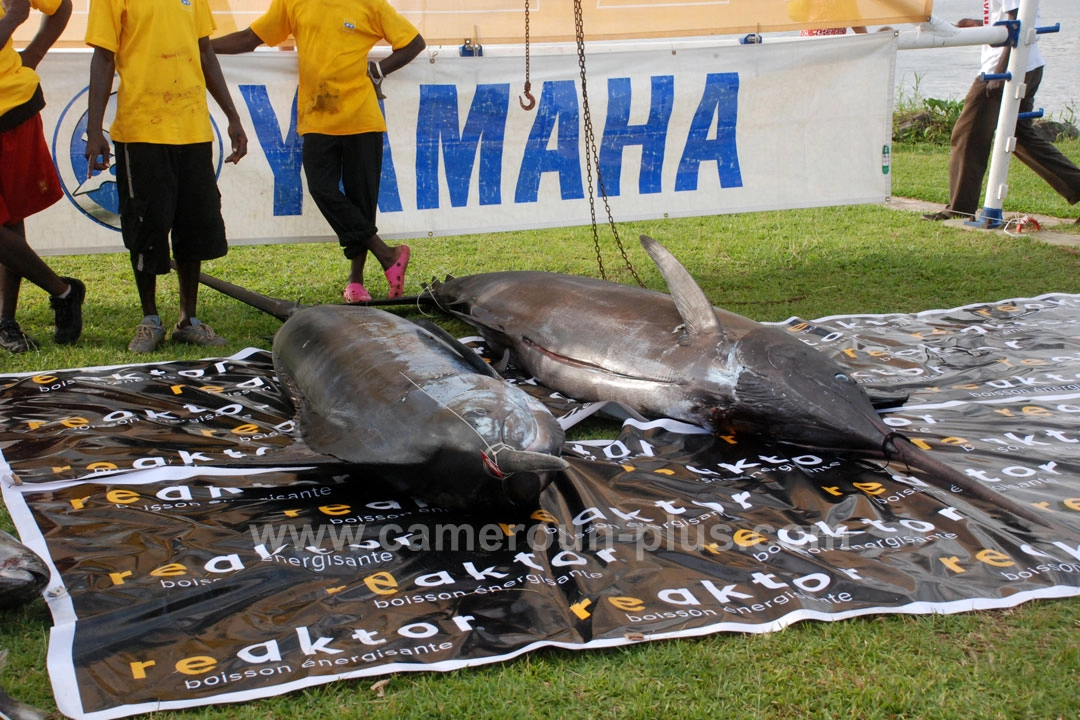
{"x": 680, "y": 130}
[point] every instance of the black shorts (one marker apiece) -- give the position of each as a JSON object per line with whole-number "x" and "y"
{"x": 169, "y": 188}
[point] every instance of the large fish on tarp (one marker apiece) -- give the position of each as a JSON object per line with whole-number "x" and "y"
{"x": 426, "y": 413}
{"x": 22, "y": 573}
{"x": 677, "y": 356}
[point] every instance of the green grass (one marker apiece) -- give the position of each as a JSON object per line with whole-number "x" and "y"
{"x": 1017, "y": 663}
{"x": 922, "y": 171}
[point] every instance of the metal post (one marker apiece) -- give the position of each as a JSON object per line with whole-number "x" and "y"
{"x": 997, "y": 184}
{"x": 937, "y": 33}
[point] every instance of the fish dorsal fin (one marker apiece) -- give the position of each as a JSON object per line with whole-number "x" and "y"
{"x": 697, "y": 313}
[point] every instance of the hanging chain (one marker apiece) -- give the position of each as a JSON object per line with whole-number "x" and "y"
{"x": 591, "y": 156}
{"x": 529, "y": 102}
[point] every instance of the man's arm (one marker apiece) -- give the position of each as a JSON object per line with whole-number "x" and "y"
{"x": 102, "y": 69}
{"x": 215, "y": 83}
{"x": 399, "y": 58}
{"x": 234, "y": 43}
{"x": 50, "y": 30}
{"x": 15, "y": 14}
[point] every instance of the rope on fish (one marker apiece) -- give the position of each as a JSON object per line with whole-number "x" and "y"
{"x": 887, "y": 443}
{"x": 493, "y": 461}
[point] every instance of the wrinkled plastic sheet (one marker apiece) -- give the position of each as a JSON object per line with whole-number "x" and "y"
{"x": 198, "y": 558}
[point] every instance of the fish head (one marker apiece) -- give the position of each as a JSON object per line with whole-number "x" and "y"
{"x": 506, "y": 438}
{"x": 761, "y": 380}
{"x": 22, "y": 573}
{"x": 798, "y": 395}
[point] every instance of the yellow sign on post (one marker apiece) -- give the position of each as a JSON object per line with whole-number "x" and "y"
{"x": 449, "y": 22}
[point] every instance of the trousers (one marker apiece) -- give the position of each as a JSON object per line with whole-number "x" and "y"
{"x": 973, "y": 138}
{"x": 343, "y": 174}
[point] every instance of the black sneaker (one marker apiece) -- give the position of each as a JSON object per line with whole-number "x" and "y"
{"x": 13, "y": 339}
{"x": 69, "y": 313}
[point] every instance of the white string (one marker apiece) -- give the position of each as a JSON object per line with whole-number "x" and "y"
{"x": 492, "y": 449}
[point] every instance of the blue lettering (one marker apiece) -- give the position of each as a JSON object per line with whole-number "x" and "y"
{"x": 558, "y": 104}
{"x": 485, "y": 129}
{"x": 720, "y": 100}
{"x": 389, "y": 197}
{"x": 652, "y": 136}
{"x": 283, "y": 153}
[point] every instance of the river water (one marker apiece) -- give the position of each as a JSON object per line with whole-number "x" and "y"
{"x": 947, "y": 73}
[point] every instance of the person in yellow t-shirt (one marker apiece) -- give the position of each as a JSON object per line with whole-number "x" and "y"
{"x": 164, "y": 147}
{"x": 28, "y": 179}
{"x": 339, "y": 116}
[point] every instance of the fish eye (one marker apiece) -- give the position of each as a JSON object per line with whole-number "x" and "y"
{"x": 843, "y": 378}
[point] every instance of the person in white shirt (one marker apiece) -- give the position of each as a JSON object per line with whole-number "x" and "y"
{"x": 973, "y": 134}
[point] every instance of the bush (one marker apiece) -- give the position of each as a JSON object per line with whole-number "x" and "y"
{"x": 928, "y": 120}
{"x": 918, "y": 120}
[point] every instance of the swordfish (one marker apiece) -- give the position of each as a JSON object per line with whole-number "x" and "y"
{"x": 675, "y": 355}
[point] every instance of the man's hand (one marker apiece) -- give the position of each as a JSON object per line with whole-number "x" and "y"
{"x": 98, "y": 153}
{"x": 239, "y": 142}
{"x": 375, "y": 72}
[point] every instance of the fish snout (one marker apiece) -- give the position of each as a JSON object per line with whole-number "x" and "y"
{"x": 519, "y": 444}
{"x": 525, "y": 475}
{"x": 529, "y": 470}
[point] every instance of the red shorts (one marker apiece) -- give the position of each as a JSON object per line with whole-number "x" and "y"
{"x": 28, "y": 179}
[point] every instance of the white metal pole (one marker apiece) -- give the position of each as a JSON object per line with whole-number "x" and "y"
{"x": 997, "y": 184}
{"x": 937, "y": 33}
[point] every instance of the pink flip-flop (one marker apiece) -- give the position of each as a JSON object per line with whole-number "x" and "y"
{"x": 355, "y": 292}
{"x": 395, "y": 274}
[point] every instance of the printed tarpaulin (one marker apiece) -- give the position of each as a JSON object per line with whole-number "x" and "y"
{"x": 199, "y": 558}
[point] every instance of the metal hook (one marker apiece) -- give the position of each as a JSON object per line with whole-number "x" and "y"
{"x": 532, "y": 101}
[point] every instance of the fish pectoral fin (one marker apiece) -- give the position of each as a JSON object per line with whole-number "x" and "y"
{"x": 503, "y": 362}
{"x": 451, "y": 343}
{"x": 483, "y": 318}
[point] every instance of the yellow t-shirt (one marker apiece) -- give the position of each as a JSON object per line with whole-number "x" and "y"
{"x": 162, "y": 93}
{"x": 17, "y": 83}
{"x": 333, "y": 38}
